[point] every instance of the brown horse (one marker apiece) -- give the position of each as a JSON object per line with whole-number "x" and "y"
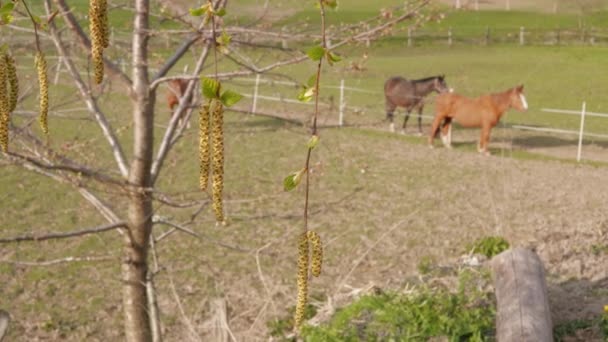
{"x": 484, "y": 111}
{"x": 177, "y": 88}
{"x": 400, "y": 92}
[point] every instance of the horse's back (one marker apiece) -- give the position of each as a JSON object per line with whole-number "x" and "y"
{"x": 466, "y": 111}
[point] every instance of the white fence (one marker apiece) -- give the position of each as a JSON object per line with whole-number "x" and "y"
{"x": 343, "y": 109}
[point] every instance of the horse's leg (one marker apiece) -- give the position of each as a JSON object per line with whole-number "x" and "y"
{"x": 484, "y": 139}
{"x": 446, "y": 133}
{"x": 407, "y": 116}
{"x": 435, "y": 128}
{"x": 390, "y": 110}
{"x": 420, "y": 108}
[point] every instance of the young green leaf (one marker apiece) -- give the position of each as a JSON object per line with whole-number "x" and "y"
{"x": 313, "y": 142}
{"x": 292, "y": 180}
{"x": 332, "y": 58}
{"x": 229, "y": 98}
{"x": 312, "y": 81}
{"x": 211, "y": 87}
{"x": 197, "y": 12}
{"x": 306, "y": 94}
{"x": 333, "y": 4}
{"x": 316, "y": 53}
{"x": 221, "y": 12}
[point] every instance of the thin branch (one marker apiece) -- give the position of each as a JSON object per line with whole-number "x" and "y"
{"x": 199, "y": 236}
{"x": 167, "y": 142}
{"x": 51, "y": 236}
{"x": 91, "y": 102}
{"x": 59, "y": 261}
{"x": 192, "y": 332}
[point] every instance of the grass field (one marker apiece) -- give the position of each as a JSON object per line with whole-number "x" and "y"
{"x": 382, "y": 202}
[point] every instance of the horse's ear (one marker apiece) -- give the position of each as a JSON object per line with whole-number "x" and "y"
{"x": 520, "y": 88}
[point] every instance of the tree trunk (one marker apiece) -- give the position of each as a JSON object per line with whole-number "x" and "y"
{"x": 135, "y": 264}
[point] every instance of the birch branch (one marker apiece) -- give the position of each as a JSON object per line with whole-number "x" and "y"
{"x": 59, "y": 261}
{"x": 167, "y": 142}
{"x": 52, "y": 236}
{"x": 91, "y": 103}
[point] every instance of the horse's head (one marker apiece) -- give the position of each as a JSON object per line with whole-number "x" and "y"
{"x": 517, "y": 98}
{"x": 440, "y": 86}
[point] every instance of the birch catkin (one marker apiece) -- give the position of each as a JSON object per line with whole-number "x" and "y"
{"x": 13, "y": 81}
{"x": 44, "y": 91}
{"x": 96, "y": 26}
{"x": 217, "y": 138}
{"x": 203, "y": 146}
{"x": 317, "y": 253}
{"x": 104, "y": 24}
{"x": 303, "y": 256}
{"x": 4, "y": 105}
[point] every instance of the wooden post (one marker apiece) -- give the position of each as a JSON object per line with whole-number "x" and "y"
{"x": 5, "y": 319}
{"x": 580, "y": 133}
{"x": 457, "y": 4}
{"x": 523, "y": 313}
{"x": 477, "y": 5}
{"x": 450, "y": 36}
{"x": 487, "y": 35}
{"x": 521, "y": 35}
{"x": 409, "y": 36}
{"x": 367, "y": 41}
{"x": 508, "y": 5}
{"x": 255, "y": 94}
{"x": 558, "y": 36}
{"x": 342, "y": 104}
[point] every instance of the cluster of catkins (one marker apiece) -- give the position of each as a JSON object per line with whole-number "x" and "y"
{"x": 211, "y": 134}
{"x": 303, "y": 258}
{"x": 98, "y": 24}
{"x": 9, "y": 91}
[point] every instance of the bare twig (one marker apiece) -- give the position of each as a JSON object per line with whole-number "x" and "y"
{"x": 192, "y": 332}
{"x": 50, "y": 236}
{"x": 61, "y": 261}
{"x": 197, "y": 235}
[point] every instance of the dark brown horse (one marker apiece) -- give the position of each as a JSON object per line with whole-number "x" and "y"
{"x": 484, "y": 111}
{"x": 400, "y": 92}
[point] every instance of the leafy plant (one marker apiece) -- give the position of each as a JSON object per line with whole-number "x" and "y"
{"x": 467, "y": 315}
{"x": 489, "y": 246}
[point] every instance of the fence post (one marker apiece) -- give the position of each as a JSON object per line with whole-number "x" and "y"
{"x": 580, "y": 134}
{"x": 255, "y": 94}
{"x": 487, "y": 35}
{"x": 409, "y": 36}
{"x": 342, "y": 104}
{"x": 477, "y": 5}
{"x": 450, "y": 36}
{"x": 508, "y": 5}
{"x": 521, "y": 35}
{"x": 457, "y": 4}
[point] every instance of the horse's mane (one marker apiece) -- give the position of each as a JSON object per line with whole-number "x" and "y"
{"x": 426, "y": 79}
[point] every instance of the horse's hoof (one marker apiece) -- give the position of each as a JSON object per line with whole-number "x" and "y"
{"x": 391, "y": 128}
{"x": 431, "y": 147}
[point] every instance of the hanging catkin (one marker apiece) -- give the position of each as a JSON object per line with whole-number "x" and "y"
{"x": 105, "y": 27}
{"x": 203, "y": 146}
{"x": 317, "y": 253}
{"x": 217, "y": 138}
{"x": 302, "y": 279}
{"x": 44, "y": 91}
{"x": 13, "y": 81}
{"x": 4, "y": 105}
{"x": 96, "y": 26}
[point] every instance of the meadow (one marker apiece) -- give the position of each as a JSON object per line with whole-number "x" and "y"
{"x": 382, "y": 202}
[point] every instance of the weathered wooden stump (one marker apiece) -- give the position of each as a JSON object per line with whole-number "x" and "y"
{"x": 4, "y": 320}
{"x": 523, "y": 313}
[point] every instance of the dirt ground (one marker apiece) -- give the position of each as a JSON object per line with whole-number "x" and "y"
{"x": 380, "y": 203}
